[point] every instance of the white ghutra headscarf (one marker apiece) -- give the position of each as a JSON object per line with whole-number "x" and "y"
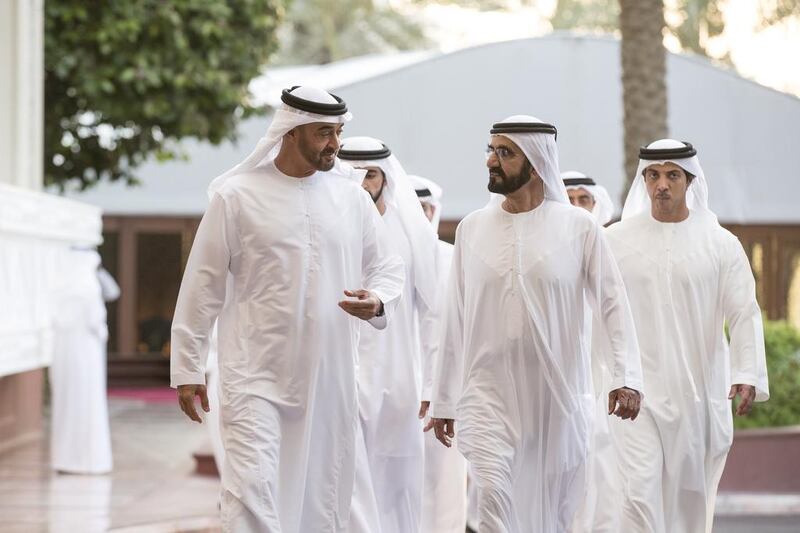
{"x": 301, "y": 105}
{"x": 537, "y": 140}
{"x": 603, "y": 209}
{"x": 430, "y": 193}
{"x": 663, "y": 151}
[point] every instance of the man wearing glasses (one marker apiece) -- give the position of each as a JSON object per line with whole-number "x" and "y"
{"x": 514, "y": 369}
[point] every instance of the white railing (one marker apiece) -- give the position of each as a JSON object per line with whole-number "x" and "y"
{"x": 36, "y": 229}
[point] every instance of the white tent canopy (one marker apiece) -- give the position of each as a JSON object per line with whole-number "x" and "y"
{"x": 435, "y": 111}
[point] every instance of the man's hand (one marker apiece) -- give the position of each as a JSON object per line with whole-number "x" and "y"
{"x": 444, "y": 428}
{"x": 423, "y": 409}
{"x": 746, "y": 393}
{"x": 624, "y": 403}
{"x": 186, "y": 394}
{"x": 367, "y": 306}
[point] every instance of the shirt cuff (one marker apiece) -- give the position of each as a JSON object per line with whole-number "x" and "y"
{"x": 634, "y": 384}
{"x": 427, "y": 392}
{"x": 378, "y": 322}
{"x": 748, "y": 379}
{"x": 443, "y": 410}
{"x": 187, "y": 378}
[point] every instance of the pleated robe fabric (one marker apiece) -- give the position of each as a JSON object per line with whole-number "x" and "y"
{"x": 444, "y": 501}
{"x": 601, "y": 508}
{"x": 389, "y": 378}
{"x": 212, "y": 418}
{"x": 514, "y": 373}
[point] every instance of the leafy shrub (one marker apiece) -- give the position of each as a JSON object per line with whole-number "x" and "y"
{"x": 783, "y": 363}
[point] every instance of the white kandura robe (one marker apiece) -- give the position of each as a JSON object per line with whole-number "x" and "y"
{"x": 389, "y": 378}
{"x": 602, "y": 501}
{"x": 514, "y": 373}
{"x": 684, "y": 281}
{"x": 287, "y": 352}
{"x": 212, "y": 418}
{"x": 80, "y": 434}
{"x": 444, "y": 501}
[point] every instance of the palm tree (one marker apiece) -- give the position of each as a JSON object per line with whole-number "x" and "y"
{"x": 322, "y": 31}
{"x": 643, "y": 27}
{"x": 644, "y": 73}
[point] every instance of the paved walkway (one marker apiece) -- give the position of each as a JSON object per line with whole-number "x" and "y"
{"x": 761, "y": 513}
{"x": 152, "y": 480}
{"x": 757, "y": 524}
{"x": 153, "y": 488}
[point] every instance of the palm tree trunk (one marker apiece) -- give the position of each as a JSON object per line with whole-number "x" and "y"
{"x": 644, "y": 77}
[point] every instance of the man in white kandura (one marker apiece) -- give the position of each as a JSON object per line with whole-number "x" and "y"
{"x": 286, "y": 235}
{"x": 80, "y": 435}
{"x": 390, "y": 361}
{"x": 444, "y": 494}
{"x": 686, "y": 277}
{"x": 599, "y": 511}
{"x": 586, "y": 193}
{"x": 514, "y": 369}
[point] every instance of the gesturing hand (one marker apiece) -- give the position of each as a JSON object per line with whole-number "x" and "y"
{"x": 626, "y": 401}
{"x": 444, "y": 428}
{"x": 367, "y": 306}
{"x": 186, "y": 394}
{"x": 746, "y": 393}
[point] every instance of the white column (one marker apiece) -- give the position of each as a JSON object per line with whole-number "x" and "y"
{"x": 21, "y": 92}
{"x": 35, "y": 228}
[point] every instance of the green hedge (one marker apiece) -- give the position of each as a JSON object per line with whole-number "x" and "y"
{"x": 783, "y": 362}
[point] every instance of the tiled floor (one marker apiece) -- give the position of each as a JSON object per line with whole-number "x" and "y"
{"x": 152, "y": 488}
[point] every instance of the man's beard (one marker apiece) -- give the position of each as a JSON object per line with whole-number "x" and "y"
{"x": 501, "y": 183}
{"x": 377, "y": 196}
{"x": 317, "y": 159}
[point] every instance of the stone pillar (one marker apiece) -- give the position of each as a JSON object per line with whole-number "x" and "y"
{"x": 21, "y": 92}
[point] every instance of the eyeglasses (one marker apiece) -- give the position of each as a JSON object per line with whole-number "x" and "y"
{"x": 501, "y": 152}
